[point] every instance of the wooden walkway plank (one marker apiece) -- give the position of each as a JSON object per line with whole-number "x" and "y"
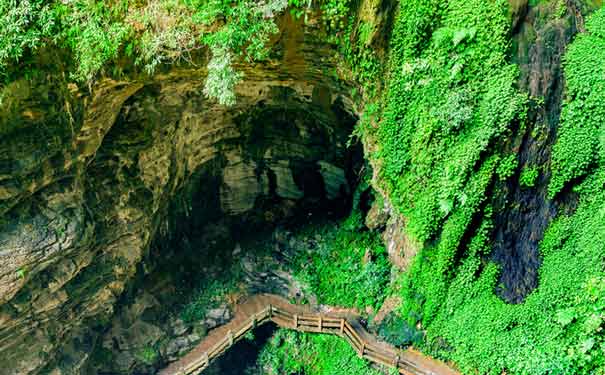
{"x": 263, "y": 308}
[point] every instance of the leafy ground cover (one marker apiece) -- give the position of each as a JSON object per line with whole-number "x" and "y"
{"x": 290, "y": 352}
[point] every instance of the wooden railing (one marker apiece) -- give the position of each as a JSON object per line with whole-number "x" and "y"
{"x": 315, "y": 323}
{"x": 341, "y": 327}
{"x": 231, "y": 338}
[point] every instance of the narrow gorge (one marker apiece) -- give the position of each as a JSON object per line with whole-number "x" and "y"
{"x": 434, "y": 169}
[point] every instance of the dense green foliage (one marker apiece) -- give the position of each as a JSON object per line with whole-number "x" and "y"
{"x": 507, "y": 167}
{"x": 450, "y": 97}
{"x": 23, "y": 25}
{"x": 210, "y": 294}
{"x": 580, "y": 147}
{"x": 291, "y": 352}
{"x": 93, "y": 31}
{"x": 528, "y": 177}
{"x": 449, "y": 101}
{"x": 439, "y": 124}
{"x": 349, "y": 267}
{"x": 247, "y": 29}
{"x": 557, "y": 330}
{"x": 396, "y": 331}
{"x": 98, "y": 33}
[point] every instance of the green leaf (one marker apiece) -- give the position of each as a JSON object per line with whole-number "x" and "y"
{"x": 565, "y": 317}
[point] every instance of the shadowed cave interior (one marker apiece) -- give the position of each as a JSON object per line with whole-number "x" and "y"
{"x": 226, "y": 231}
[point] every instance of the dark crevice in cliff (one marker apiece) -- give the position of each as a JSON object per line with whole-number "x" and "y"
{"x": 524, "y": 212}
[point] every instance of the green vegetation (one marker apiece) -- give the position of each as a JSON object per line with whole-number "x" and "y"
{"x": 335, "y": 13}
{"x": 349, "y": 267}
{"x": 291, "y": 352}
{"x": 448, "y": 103}
{"x": 153, "y": 32}
{"x": 439, "y": 164}
{"x": 360, "y": 59}
{"x": 249, "y": 336}
{"x": 247, "y": 29}
{"x": 148, "y": 355}
{"x": 23, "y": 25}
{"x": 529, "y": 176}
{"x": 557, "y": 330}
{"x": 506, "y": 167}
{"x": 102, "y": 37}
{"x": 396, "y": 331}
{"x": 93, "y": 31}
{"x": 22, "y": 272}
{"x": 450, "y": 98}
{"x": 580, "y": 147}
{"x": 211, "y": 293}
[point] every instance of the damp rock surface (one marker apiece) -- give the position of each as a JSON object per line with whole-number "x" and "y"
{"x": 87, "y": 181}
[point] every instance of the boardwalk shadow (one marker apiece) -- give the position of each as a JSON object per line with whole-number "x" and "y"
{"x": 243, "y": 355}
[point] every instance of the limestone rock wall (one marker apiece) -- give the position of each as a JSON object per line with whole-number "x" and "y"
{"x": 86, "y": 179}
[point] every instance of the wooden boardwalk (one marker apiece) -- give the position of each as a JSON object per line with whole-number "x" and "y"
{"x": 263, "y": 308}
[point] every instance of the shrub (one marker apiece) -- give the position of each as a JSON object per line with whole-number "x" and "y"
{"x": 23, "y": 25}
{"x": 147, "y": 355}
{"x": 395, "y": 330}
{"x": 336, "y": 270}
{"x": 290, "y": 352}
{"x": 529, "y": 176}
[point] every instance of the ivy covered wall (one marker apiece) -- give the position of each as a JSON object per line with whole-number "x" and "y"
{"x": 451, "y": 105}
{"x": 475, "y": 127}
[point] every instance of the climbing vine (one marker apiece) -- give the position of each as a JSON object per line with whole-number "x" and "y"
{"x": 450, "y": 97}
{"x": 580, "y": 147}
{"x": 449, "y": 289}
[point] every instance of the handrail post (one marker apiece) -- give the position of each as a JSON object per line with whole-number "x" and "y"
{"x": 320, "y": 324}
{"x": 362, "y": 349}
{"x": 230, "y": 336}
{"x": 295, "y": 321}
{"x": 270, "y": 311}
{"x": 396, "y": 362}
{"x": 342, "y": 326}
{"x": 254, "y": 320}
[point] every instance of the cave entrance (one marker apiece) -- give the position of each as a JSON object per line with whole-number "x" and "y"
{"x": 282, "y": 163}
{"x": 288, "y": 166}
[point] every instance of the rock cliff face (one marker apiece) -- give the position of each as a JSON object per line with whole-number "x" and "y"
{"x": 87, "y": 180}
{"x": 540, "y": 38}
{"x": 100, "y": 185}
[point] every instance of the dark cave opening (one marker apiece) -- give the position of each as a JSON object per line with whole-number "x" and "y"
{"x": 289, "y": 165}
